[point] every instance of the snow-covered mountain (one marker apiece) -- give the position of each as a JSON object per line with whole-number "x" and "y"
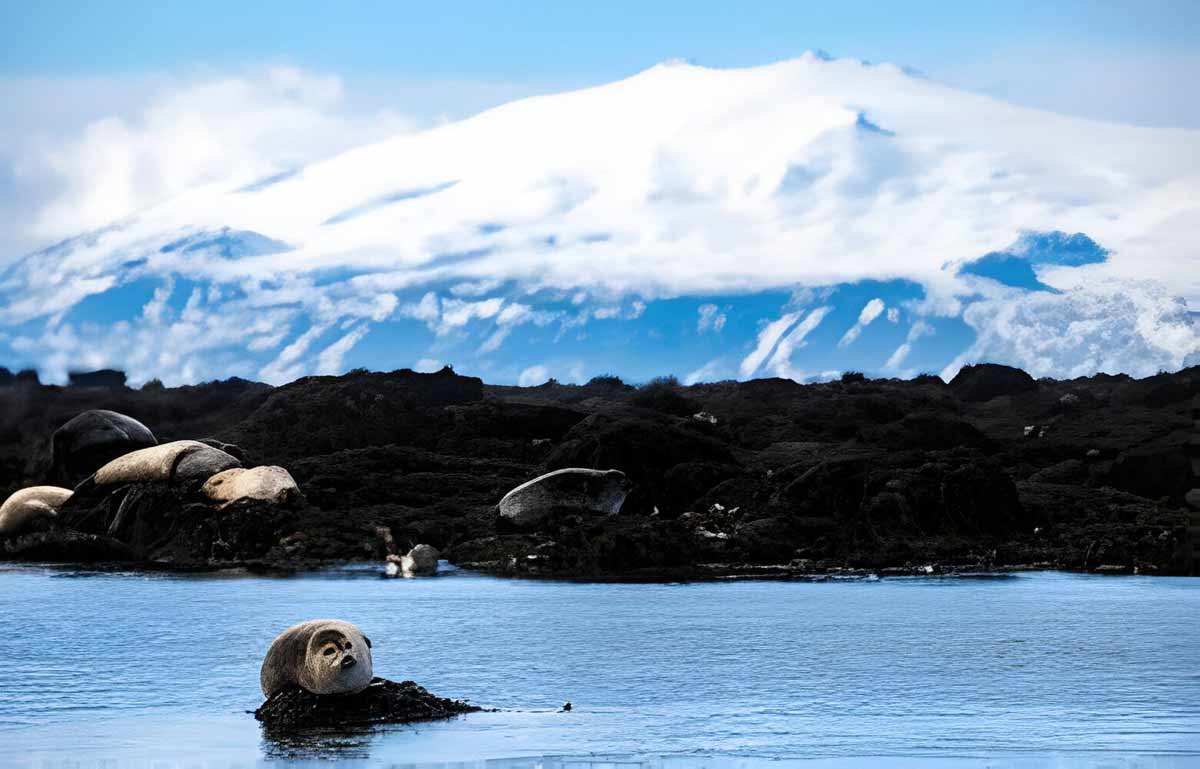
{"x": 830, "y": 214}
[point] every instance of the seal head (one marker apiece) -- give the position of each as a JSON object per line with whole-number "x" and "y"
{"x": 268, "y": 483}
{"x": 321, "y": 656}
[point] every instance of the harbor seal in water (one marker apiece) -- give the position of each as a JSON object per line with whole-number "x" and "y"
{"x": 27, "y": 506}
{"x": 322, "y": 656}
{"x": 179, "y": 461}
{"x": 421, "y": 561}
{"x": 93, "y": 438}
{"x": 268, "y": 483}
{"x": 601, "y": 491}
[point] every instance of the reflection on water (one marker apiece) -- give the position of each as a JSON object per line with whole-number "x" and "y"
{"x": 1033, "y": 670}
{"x": 319, "y": 743}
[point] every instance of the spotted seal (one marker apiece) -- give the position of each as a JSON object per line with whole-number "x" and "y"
{"x": 92, "y": 438}
{"x": 421, "y": 561}
{"x": 322, "y": 656}
{"x": 268, "y": 483}
{"x": 25, "y": 507}
{"x": 575, "y": 488}
{"x": 179, "y": 462}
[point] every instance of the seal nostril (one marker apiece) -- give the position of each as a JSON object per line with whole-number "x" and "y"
{"x": 348, "y": 662}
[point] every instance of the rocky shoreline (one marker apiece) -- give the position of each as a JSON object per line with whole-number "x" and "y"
{"x": 759, "y": 479}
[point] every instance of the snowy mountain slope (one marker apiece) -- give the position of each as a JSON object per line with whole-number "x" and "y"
{"x": 679, "y": 181}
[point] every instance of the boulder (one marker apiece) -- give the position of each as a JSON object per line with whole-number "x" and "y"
{"x": 1153, "y": 471}
{"x": 572, "y": 488}
{"x": 645, "y": 447}
{"x": 93, "y": 438}
{"x": 985, "y": 381}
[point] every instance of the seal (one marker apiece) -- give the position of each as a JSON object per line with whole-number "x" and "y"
{"x": 268, "y": 483}
{"x": 321, "y": 656}
{"x": 576, "y": 488}
{"x": 178, "y": 462}
{"x": 27, "y": 506}
{"x": 92, "y": 438}
{"x": 421, "y": 561}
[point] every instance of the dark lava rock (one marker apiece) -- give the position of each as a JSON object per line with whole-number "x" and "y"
{"x": 646, "y": 447}
{"x": 382, "y": 702}
{"x": 92, "y": 439}
{"x": 107, "y": 379}
{"x": 165, "y": 523}
{"x": 985, "y": 381}
{"x": 861, "y": 473}
{"x": 66, "y": 546}
{"x": 318, "y": 415}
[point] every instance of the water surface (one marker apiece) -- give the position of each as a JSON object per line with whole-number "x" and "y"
{"x": 1032, "y": 670}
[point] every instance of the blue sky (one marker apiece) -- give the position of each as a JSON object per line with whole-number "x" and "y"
{"x": 599, "y": 41}
{"x": 116, "y": 108}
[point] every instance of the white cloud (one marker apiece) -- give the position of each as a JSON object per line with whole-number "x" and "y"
{"x": 768, "y": 337}
{"x": 1113, "y": 326}
{"x": 917, "y": 330}
{"x": 515, "y": 314}
{"x": 194, "y": 132}
{"x": 427, "y": 310}
{"x": 710, "y": 317}
{"x": 192, "y": 344}
{"x": 870, "y": 311}
{"x": 709, "y": 372}
{"x": 286, "y": 365}
{"x": 893, "y": 315}
{"x": 534, "y": 375}
{"x": 427, "y": 365}
{"x": 330, "y": 359}
{"x": 781, "y": 360}
{"x": 456, "y": 313}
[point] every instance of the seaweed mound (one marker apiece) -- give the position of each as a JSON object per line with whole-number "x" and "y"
{"x": 382, "y": 702}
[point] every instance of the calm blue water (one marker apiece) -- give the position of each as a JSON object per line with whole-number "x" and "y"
{"x": 1037, "y": 670}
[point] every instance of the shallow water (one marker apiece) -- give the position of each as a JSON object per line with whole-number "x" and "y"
{"x": 1032, "y": 670}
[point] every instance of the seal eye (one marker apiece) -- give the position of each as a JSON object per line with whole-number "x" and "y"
{"x": 347, "y": 646}
{"x": 329, "y": 650}
{"x": 368, "y": 640}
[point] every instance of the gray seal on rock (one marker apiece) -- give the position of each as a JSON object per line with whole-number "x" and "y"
{"x": 179, "y": 462}
{"x": 92, "y": 438}
{"x": 27, "y": 506}
{"x": 601, "y": 491}
{"x": 322, "y": 656}
{"x": 268, "y": 484}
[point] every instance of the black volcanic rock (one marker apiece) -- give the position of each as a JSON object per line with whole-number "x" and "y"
{"x": 648, "y": 447}
{"x": 985, "y": 381}
{"x": 105, "y": 379}
{"x": 728, "y": 477}
{"x": 318, "y": 415}
{"x": 382, "y": 702}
